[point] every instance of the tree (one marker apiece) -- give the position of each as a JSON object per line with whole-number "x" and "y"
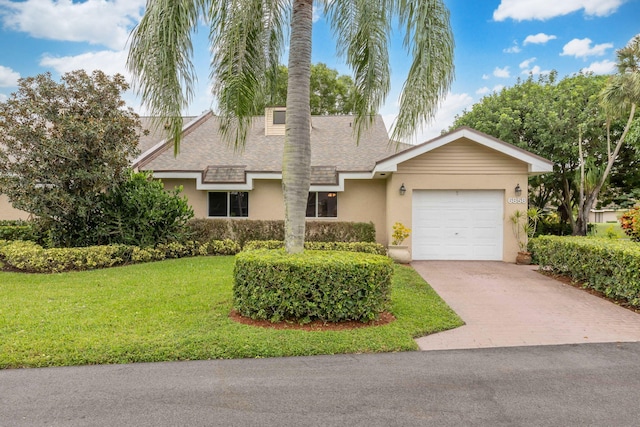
{"x": 63, "y": 144}
{"x": 562, "y": 121}
{"x": 331, "y": 93}
{"x": 246, "y": 39}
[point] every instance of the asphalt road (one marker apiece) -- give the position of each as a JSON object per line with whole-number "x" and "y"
{"x": 570, "y": 385}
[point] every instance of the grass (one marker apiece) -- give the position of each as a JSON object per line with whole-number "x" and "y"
{"x": 178, "y": 310}
{"x": 608, "y": 230}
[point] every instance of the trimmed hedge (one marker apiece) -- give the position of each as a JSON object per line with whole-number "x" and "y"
{"x": 245, "y": 230}
{"x": 16, "y": 230}
{"x": 609, "y": 266}
{"x": 30, "y": 257}
{"x": 330, "y": 286}
{"x": 366, "y": 247}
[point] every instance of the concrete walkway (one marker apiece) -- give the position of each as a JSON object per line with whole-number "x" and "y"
{"x": 505, "y": 305}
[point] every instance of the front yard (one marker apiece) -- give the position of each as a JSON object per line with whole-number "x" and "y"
{"x": 179, "y": 310}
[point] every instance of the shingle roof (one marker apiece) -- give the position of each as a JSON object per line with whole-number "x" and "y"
{"x": 150, "y": 135}
{"x": 333, "y": 150}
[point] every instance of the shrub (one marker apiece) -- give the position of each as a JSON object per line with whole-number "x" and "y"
{"x": 16, "y": 230}
{"x": 609, "y": 266}
{"x": 141, "y": 212}
{"x": 31, "y": 257}
{"x": 330, "y": 286}
{"x": 245, "y": 230}
{"x": 630, "y": 223}
{"x": 366, "y": 247}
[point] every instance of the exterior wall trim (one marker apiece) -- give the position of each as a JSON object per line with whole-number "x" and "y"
{"x": 535, "y": 164}
{"x": 251, "y": 176}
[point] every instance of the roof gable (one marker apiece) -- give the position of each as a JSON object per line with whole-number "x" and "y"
{"x": 535, "y": 163}
{"x": 333, "y": 145}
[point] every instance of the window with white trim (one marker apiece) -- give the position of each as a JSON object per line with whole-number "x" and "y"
{"x": 228, "y": 204}
{"x": 322, "y": 205}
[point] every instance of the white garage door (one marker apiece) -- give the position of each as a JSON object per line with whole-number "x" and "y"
{"x": 457, "y": 225}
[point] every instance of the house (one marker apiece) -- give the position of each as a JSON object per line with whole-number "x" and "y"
{"x": 456, "y": 192}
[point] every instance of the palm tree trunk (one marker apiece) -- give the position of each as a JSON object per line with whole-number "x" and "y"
{"x": 296, "y": 164}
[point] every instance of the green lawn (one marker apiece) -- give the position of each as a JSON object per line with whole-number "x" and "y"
{"x": 605, "y": 229}
{"x": 178, "y": 310}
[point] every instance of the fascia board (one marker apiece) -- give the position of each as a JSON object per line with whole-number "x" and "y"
{"x": 535, "y": 163}
{"x": 251, "y": 176}
{"x": 138, "y": 160}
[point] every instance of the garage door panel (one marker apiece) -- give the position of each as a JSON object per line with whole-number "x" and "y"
{"x": 462, "y": 224}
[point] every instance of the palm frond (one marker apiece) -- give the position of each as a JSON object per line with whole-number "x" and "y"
{"x": 362, "y": 29}
{"x": 160, "y": 59}
{"x": 246, "y": 38}
{"x": 428, "y": 35}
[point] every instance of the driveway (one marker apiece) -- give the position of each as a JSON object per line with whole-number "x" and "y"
{"x": 505, "y": 305}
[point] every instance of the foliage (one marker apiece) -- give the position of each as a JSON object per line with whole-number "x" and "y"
{"x": 247, "y": 39}
{"x": 331, "y": 286}
{"x": 30, "y": 257}
{"x": 140, "y": 212}
{"x": 248, "y": 230}
{"x": 331, "y": 93}
{"x": 366, "y": 247}
{"x": 524, "y": 226}
{"x": 400, "y": 232}
{"x": 609, "y": 266}
{"x": 17, "y": 230}
{"x": 179, "y": 310}
{"x": 64, "y": 144}
{"x": 630, "y": 223}
{"x": 556, "y": 119}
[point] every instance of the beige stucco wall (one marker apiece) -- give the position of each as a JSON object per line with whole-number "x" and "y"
{"x": 460, "y": 165}
{"x": 364, "y": 201}
{"x": 8, "y": 212}
{"x": 361, "y": 201}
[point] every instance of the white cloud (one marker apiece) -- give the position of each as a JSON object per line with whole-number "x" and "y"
{"x": 602, "y": 67}
{"x": 523, "y": 10}
{"x": 485, "y": 77}
{"x": 536, "y": 70}
{"x": 8, "y": 77}
{"x": 96, "y": 22}
{"x": 527, "y": 63}
{"x": 513, "y": 49}
{"x": 581, "y": 48}
{"x": 453, "y": 105}
{"x": 110, "y": 62}
{"x": 316, "y": 13}
{"x": 540, "y": 38}
{"x": 485, "y": 90}
{"x": 502, "y": 72}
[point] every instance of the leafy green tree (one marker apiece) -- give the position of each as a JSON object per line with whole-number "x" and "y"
{"x": 63, "y": 144}
{"x": 563, "y": 121}
{"x": 247, "y": 37}
{"x": 331, "y": 93}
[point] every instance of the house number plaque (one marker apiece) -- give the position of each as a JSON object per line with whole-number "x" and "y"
{"x": 516, "y": 200}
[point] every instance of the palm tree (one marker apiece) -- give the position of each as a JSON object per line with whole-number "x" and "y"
{"x": 247, "y": 37}
{"x": 620, "y": 97}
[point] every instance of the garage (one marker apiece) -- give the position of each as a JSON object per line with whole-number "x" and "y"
{"x": 457, "y": 224}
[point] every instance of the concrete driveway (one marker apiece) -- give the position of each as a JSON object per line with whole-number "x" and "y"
{"x": 506, "y": 305}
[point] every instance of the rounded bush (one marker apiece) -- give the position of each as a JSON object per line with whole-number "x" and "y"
{"x": 330, "y": 286}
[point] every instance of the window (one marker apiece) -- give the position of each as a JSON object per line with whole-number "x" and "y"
{"x": 229, "y": 204}
{"x": 322, "y": 205}
{"x": 279, "y": 117}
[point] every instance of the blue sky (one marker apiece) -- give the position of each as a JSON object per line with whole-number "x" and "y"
{"x": 497, "y": 42}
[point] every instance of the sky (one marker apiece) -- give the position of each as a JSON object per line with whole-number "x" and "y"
{"x": 497, "y": 42}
